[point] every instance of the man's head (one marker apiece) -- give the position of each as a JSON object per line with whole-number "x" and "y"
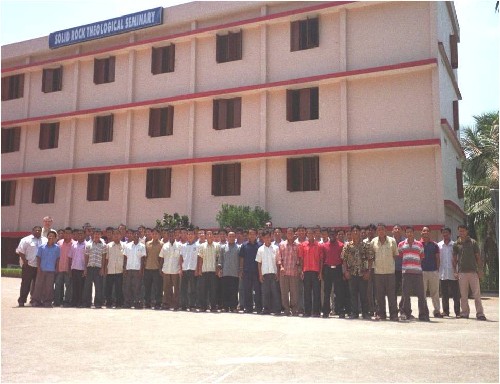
{"x": 410, "y": 233}
{"x": 51, "y": 237}
{"x": 381, "y": 231}
{"x": 47, "y": 222}
{"x": 37, "y": 231}
{"x": 96, "y": 236}
{"x": 463, "y": 231}
{"x": 426, "y": 233}
{"x": 252, "y": 235}
{"x": 446, "y": 233}
{"x": 231, "y": 237}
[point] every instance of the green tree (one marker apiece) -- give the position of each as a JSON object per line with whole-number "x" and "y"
{"x": 173, "y": 221}
{"x": 480, "y": 144}
{"x": 242, "y": 216}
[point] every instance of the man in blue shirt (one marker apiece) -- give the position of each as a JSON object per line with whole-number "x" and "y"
{"x": 47, "y": 259}
{"x": 249, "y": 272}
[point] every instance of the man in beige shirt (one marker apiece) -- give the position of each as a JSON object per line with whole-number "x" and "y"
{"x": 385, "y": 250}
{"x": 152, "y": 272}
{"x": 114, "y": 270}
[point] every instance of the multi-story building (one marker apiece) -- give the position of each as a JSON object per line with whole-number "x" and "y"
{"x": 329, "y": 113}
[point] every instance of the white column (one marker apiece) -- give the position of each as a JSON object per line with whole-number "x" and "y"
{"x": 126, "y": 176}
{"x": 343, "y": 39}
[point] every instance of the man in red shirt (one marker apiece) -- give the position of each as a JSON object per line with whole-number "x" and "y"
{"x": 332, "y": 275}
{"x": 311, "y": 256}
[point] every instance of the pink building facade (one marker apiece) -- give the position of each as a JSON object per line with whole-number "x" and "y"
{"x": 329, "y": 113}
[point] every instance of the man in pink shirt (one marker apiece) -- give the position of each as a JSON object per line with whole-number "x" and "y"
{"x": 62, "y": 291}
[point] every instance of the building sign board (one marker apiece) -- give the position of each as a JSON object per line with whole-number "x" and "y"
{"x": 106, "y": 28}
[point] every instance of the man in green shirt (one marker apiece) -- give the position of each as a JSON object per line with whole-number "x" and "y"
{"x": 467, "y": 258}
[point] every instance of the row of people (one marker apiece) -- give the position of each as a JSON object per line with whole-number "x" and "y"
{"x": 265, "y": 273}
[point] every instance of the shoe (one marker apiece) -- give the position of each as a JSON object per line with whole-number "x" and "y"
{"x": 395, "y": 318}
{"x": 342, "y": 316}
{"x": 20, "y": 303}
{"x": 325, "y": 316}
{"x": 403, "y": 317}
{"x": 97, "y": 307}
{"x": 424, "y": 318}
{"x": 438, "y": 315}
{"x": 367, "y": 316}
{"x": 463, "y": 316}
{"x": 481, "y": 318}
{"x": 411, "y": 317}
{"x": 353, "y": 316}
{"x": 445, "y": 314}
{"x": 306, "y": 315}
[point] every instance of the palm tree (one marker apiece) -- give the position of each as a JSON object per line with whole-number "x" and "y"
{"x": 480, "y": 144}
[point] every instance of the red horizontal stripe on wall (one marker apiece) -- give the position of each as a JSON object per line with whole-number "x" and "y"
{"x": 218, "y": 92}
{"x": 227, "y": 158}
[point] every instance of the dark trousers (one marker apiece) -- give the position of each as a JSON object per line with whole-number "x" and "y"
{"x": 63, "y": 288}
{"x": 271, "y": 298}
{"x": 450, "y": 289}
{"x": 399, "y": 280}
{"x": 347, "y": 297}
{"x": 171, "y": 288}
{"x": 230, "y": 292}
{"x": 188, "y": 289}
{"x": 132, "y": 288}
{"x": 43, "y": 293}
{"x": 207, "y": 291}
{"x": 312, "y": 293}
{"x": 332, "y": 277}
{"x": 28, "y": 276}
{"x": 78, "y": 281}
{"x": 358, "y": 288}
{"x": 219, "y": 295}
{"x": 252, "y": 284}
{"x": 371, "y": 294}
{"x": 153, "y": 282}
{"x": 414, "y": 283}
{"x": 93, "y": 277}
{"x": 384, "y": 286}
{"x": 115, "y": 281}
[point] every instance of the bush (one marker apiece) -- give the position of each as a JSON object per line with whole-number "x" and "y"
{"x": 11, "y": 272}
{"x": 174, "y": 221}
{"x": 242, "y": 216}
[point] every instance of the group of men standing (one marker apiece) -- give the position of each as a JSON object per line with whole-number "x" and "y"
{"x": 253, "y": 271}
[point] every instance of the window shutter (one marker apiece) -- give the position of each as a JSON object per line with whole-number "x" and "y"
{"x": 110, "y": 128}
{"x": 460, "y": 183}
{"x": 149, "y": 183}
{"x": 111, "y": 70}
{"x": 237, "y": 112}
{"x": 91, "y": 187}
{"x": 289, "y": 105}
{"x": 47, "y": 79}
{"x": 222, "y": 123}
{"x": 35, "y": 192}
{"x": 234, "y": 46}
{"x": 168, "y": 182}
{"x": 314, "y": 104}
{"x": 454, "y": 51}
{"x": 170, "y": 120}
{"x": 17, "y": 138}
{"x": 58, "y": 79}
{"x": 305, "y": 104}
{"x": 456, "y": 121}
{"x": 98, "y": 71}
{"x": 55, "y": 135}
{"x": 20, "y": 90}
{"x": 154, "y": 122}
{"x": 295, "y": 36}
{"x": 237, "y": 179}
{"x": 155, "y": 61}
{"x": 105, "y": 186}
{"x": 43, "y": 140}
{"x": 51, "y": 190}
{"x": 313, "y": 33}
{"x": 171, "y": 58}
{"x": 289, "y": 174}
{"x": 215, "y": 179}
{"x": 220, "y": 49}
{"x": 315, "y": 173}
{"x": 5, "y": 88}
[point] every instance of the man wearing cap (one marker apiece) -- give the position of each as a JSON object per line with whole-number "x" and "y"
{"x": 27, "y": 251}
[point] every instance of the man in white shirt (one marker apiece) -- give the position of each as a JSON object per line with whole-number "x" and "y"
{"x": 27, "y": 251}
{"x": 134, "y": 253}
{"x": 266, "y": 259}
{"x": 189, "y": 260}
{"x": 170, "y": 255}
{"x": 449, "y": 283}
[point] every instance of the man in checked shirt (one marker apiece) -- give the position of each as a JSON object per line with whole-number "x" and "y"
{"x": 288, "y": 261}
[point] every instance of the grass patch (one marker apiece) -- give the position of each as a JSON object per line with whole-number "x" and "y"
{"x": 11, "y": 272}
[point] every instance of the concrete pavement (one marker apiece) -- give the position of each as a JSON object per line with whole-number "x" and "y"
{"x": 108, "y": 345}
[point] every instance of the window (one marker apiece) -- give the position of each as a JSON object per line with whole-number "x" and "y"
{"x": 302, "y": 104}
{"x": 304, "y": 34}
{"x": 98, "y": 187}
{"x": 460, "y": 183}
{"x": 227, "y": 113}
{"x": 229, "y": 47}
{"x": 11, "y": 138}
{"x": 103, "y": 129}
{"x": 104, "y": 70}
{"x": 12, "y": 87}
{"x": 8, "y": 193}
{"x": 454, "y": 51}
{"x": 52, "y": 80}
{"x": 456, "y": 121}
{"x": 163, "y": 59}
{"x": 226, "y": 179}
{"x": 158, "y": 183}
{"x": 49, "y": 135}
{"x": 302, "y": 174}
{"x": 43, "y": 190}
{"x": 161, "y": 121}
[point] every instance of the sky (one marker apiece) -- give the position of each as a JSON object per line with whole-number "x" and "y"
{"x": 479, "y": 65}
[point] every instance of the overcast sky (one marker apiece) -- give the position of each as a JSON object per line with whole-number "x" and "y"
{"x": 479, "y": 65}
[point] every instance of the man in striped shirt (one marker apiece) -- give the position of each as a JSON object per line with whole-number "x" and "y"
{"x": 412, "y": 252}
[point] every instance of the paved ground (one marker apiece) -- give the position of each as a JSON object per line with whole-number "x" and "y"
{"x": 107, "y": 345}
